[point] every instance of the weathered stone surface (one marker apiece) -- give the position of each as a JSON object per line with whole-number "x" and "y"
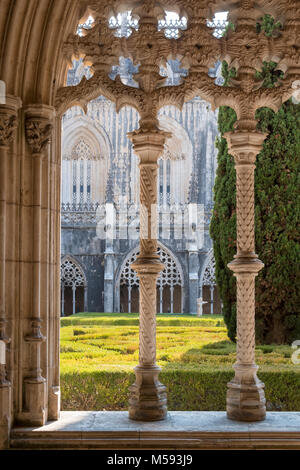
{"x": 180, "y": 430}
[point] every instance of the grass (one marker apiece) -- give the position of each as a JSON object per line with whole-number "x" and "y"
{"x": 99, "y": 351}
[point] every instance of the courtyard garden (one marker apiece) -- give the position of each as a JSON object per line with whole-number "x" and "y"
{"x": 100, "y": 350}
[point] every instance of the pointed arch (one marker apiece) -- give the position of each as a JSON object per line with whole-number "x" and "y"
{"x": 208, "y": 291}
{"x": 72, "y": 273}
{"x": 86, "y": 151}
{"x": 171, "y": 278}
{"x": 208, "y": 277}
{"x": 73, "y": 286}
{"x": 176, "y": 163}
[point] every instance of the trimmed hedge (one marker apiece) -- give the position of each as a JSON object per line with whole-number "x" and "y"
{"x": 202, "y": 390}
{"x": 133, "y": 320}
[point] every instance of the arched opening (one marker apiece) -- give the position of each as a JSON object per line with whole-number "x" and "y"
{"x": 209, "y": 301}
{"x": 169, "y": 284}
{"x": 73, "y": 287}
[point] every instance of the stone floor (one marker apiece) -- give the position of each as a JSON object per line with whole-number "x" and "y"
{"x": 208, "y": 421}
{"x": 191, "y": 429}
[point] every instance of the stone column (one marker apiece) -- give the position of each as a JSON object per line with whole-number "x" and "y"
{"x": 109, "y": 269}
{"x": 129, "y": 299}
{"x": 85, "y": 303}
{"x": 54, "y": 299}
{"x": 38, "y": 128}
{"x": 212, "y": 300}
{"x": 193, "y": 264}
{"x": 8, "y": 124}
{"x": 245, "y": 396}
{"x": 148, "y": 399}
{"x": 172, "y": 298}
{"x": 74, "y": 299}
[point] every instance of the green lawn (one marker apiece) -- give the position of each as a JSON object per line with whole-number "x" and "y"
{"x": 99, "y": 351}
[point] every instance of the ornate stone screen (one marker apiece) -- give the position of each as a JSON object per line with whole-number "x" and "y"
{"x": 73, "y": 287}
{"x": 169, "y": 284}
{"x": 208, "y": 291}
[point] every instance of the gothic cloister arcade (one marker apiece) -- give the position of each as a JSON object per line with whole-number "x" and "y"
{"x": 38, "y": 41}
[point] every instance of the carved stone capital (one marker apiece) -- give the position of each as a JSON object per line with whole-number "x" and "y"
{"x": 246, "y": 265}
{"x": 38, "y": 127}
{"x": 148, "y": 144}
{"x": 245, "y": 146}
{"x": 38, "y": 134}
{"x": 8, "y": 125}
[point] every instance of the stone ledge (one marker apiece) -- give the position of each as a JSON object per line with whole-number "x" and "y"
{"x": 181, "y": 430}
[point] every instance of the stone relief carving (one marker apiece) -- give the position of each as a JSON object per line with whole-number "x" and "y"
{"x": 8, "y": 125}
{"x": 38, "y": 133}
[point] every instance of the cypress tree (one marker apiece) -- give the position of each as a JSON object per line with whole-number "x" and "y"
{"x": 277, "y": 215}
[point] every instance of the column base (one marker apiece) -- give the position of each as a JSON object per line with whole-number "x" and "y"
{"x": 5, "y": 414}
{"x": 35, "y": 409}
{"x": 245, "y": 396}
{"x": 54, "y": 403}
{"x": 148, "y": 398}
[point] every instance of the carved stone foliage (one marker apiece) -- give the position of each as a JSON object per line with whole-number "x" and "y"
{"x": 8, "y": 125}
{"x": 38, "y": 133}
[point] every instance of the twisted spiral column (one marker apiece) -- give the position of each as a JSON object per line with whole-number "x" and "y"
{"x": 245, "y": 396}
{"x": 148, "y": 400}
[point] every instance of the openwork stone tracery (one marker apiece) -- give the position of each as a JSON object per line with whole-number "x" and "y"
{"x": 208, "y": 282}
{"x": 245, "y": 48}
{"x": 71, "y": 276}
{"x": 168, "y": 279}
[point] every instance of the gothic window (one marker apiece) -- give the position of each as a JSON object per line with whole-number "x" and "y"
{"x": 175, "y": 164}
{"x": 169, "y": 285}
{"x": 209, "y": 273}
{"x": 209, "y": 295}
{"x": 82, "y": 151}
{"x": 73, "y": 288}
{"x": 164, "y": 180}
{"x": 71, "y": 274}
{"x": 82, "y": 157}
